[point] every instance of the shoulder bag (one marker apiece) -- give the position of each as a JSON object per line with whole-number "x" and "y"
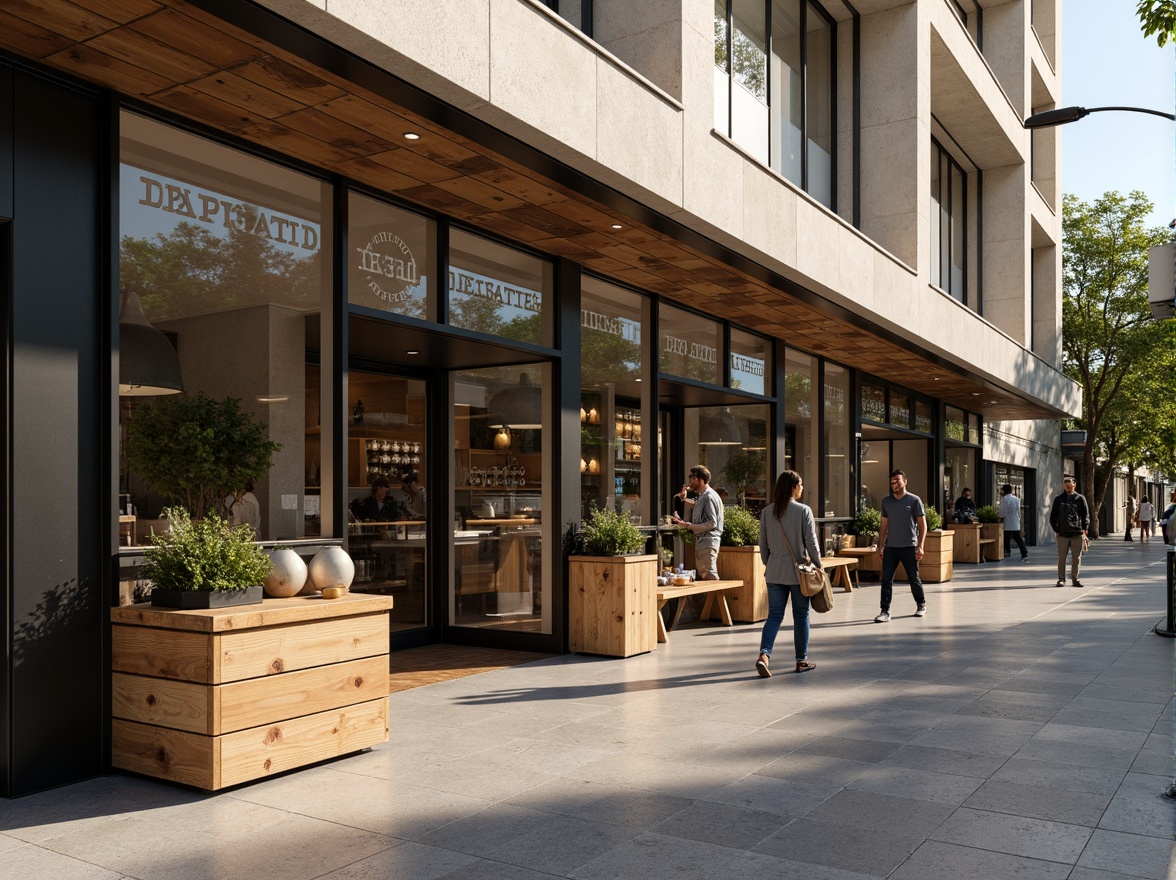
{"x": 814, "y": 582}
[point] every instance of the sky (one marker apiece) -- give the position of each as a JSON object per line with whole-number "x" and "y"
{"x": 1106, "y": 61}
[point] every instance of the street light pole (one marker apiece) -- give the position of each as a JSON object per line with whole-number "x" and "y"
{"x": 1072, "y": 114}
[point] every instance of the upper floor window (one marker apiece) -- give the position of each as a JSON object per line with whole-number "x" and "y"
{"x": 576, "y": 12}
{"x": 774, "y": 87}
{"x": 948, "y": 224}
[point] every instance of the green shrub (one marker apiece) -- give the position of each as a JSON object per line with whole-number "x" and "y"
{"x": 740, "y": 528}
{"x": 934, "y": 520}
{"x": 204, "y": 555}
{"x": 988, "y": 514}
{"x": 611, "y": 533}
{"x": 868, "y": 521}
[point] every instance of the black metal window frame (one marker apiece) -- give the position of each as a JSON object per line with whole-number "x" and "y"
{"x": 944, "y": 160}
{"x": 585, "y": 13}
{"x": 831, "y": 22}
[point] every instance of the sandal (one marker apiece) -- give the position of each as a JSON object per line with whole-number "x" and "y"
{"x": 804, "y": 665}
{"x": 761, "y": 666}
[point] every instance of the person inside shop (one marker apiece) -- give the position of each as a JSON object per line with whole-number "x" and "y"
{"x": 244, "y": 510}
{"x": 410, "y": 498}
{"x": 965, "y": 507}
{"x": 377, "y": 507}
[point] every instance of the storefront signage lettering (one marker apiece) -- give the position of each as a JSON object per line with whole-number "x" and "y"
{"x": 747, "y": 366}
{"x": 695, "y": 351}
{"x": 628, "y": 330}
{"x": 469, "y": 284}
{"x": 215, "y": 209}
{"x": 386, "y": 256}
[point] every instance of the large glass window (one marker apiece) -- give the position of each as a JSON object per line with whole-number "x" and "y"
{"x": 393, "y": 259}
{"x": 774, "y": 97}
{"x": 691, "y": 345}
{"x": 613, "y": 441}
{"x": 836, "y": 500}
{"x": 499, "y": 560}
{"x": 732, "y": 442}
{"x": 801, "y": 405}
{"x": 948, "y": 224}
{"x": 227, "y": 255}
{"x": 499, "y": 291}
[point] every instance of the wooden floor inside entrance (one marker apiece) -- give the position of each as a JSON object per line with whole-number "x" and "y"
{"x": 417, "y": 667}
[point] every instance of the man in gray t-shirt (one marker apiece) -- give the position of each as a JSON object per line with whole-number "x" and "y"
{"x": 903, "y": 530}
{"x": 706, "y": 521}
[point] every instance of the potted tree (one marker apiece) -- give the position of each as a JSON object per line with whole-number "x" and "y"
{"x": 612, "y": 587}
{"x": 196, "y": 450}
{"x": 204, "y": 564}
{"x": 744, "y": 469}
{"x": 739, "y": 560}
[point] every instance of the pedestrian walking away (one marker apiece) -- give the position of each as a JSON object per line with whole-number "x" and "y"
{"x": 786, "y": 527}
{"x": 1010, "y": 514}
{"x": 1146, "y": 514}
{"x": 901, "y": 536}
{"x": 1069, "y": 517}
{"x": 1128, "y": 508}
{"x": 1166, "y": 518}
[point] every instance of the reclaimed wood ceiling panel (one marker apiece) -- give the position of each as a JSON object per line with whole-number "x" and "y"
{"x": 177, "y": 57}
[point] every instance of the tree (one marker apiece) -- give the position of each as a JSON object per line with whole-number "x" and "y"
{"x": 1158, "y": 18}
{"x": 1110, "y": 344}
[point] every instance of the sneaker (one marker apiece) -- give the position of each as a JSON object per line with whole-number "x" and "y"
{"x": 1060, "y": 584}
{"x": 1025, "y": 558}
{"x": 884, "y": 617}
{"x": 1078, "y": 584}
{"x": 921, "y": 611}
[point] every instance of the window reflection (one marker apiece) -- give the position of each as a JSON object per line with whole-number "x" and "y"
{"x": 498, "y": 291}
{"x": 231, "y": 265}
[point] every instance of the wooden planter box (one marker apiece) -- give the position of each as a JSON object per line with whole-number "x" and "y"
{"x": 749, "y": 604}
{"x": 993, "y": 552}
{"x": 612, "y": 604}
{"x": 967, "y": 542}
{"x": 222, "y": 696}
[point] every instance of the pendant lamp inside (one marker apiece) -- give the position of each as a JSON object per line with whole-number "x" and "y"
{"x": 148, "y": 364}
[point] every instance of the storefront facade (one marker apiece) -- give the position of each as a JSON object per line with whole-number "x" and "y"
{"x": 401, "y": 290}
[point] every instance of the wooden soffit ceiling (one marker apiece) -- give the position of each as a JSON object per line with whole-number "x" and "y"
{"x": 344, "y": 116}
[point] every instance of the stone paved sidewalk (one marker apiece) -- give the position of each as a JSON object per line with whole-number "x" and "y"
{"x": 1019, "y": 730}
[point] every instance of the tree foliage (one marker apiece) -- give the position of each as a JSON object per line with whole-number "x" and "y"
{"x": 1111, "y": 346}
{"x": 197, "y": 450}
{"x": 1157, "y": 18}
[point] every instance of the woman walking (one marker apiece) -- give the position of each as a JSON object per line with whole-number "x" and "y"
{"x": 786, "y": 528}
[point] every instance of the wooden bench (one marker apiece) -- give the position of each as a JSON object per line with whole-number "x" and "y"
{"x": 841, "y": 569}
{"x": 716, "y": 599}
{"x": 984, "y": 554}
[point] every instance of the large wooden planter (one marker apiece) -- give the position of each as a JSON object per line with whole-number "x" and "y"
{"x": 612, "y": 604}
{"x": 749, "y": 604}
{"x": 222, "y": 696}
{"x": 967, "y": 542}
{"x": 993, "y": 552}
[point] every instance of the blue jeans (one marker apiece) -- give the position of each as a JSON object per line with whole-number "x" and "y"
{"x": 777, "y": 602}
{"x": 891, "y": 557}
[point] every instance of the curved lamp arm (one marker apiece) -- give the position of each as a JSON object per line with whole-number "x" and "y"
{"x": 1072, "y": 114}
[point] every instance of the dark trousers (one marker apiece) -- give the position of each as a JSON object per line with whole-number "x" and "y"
{"x": 891, "y": 557}
{"x": 1011, "y": 536}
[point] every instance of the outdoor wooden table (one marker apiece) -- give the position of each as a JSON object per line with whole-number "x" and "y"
{"x": 840, "y": 569}
{"x": 716, "y": 599}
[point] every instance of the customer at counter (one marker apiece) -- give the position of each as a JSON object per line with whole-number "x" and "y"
{"x": 410, "y": 499}
{"x": 377, "y": 507}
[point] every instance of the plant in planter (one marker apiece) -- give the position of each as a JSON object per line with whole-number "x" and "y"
{"x": 612, "y": 590}
{"x": 988, "y": 514}
{"x": 868, "y": 523}
{"x": 197, "y": 450}
{"x": 204, "y": 564}
{"x": 610, "y": 533}
{"x": 740, "y": 528}
{"x": 934, "y": 520}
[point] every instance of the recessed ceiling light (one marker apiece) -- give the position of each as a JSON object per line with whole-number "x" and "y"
{"x": 617, "y": 226}
{"x": 412, "y": 351}
{"x": 411, "y": 136}
{"x": 975, "y": 393}
{"x": 273, "y": 398}
{"x": 636, "y": 380}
